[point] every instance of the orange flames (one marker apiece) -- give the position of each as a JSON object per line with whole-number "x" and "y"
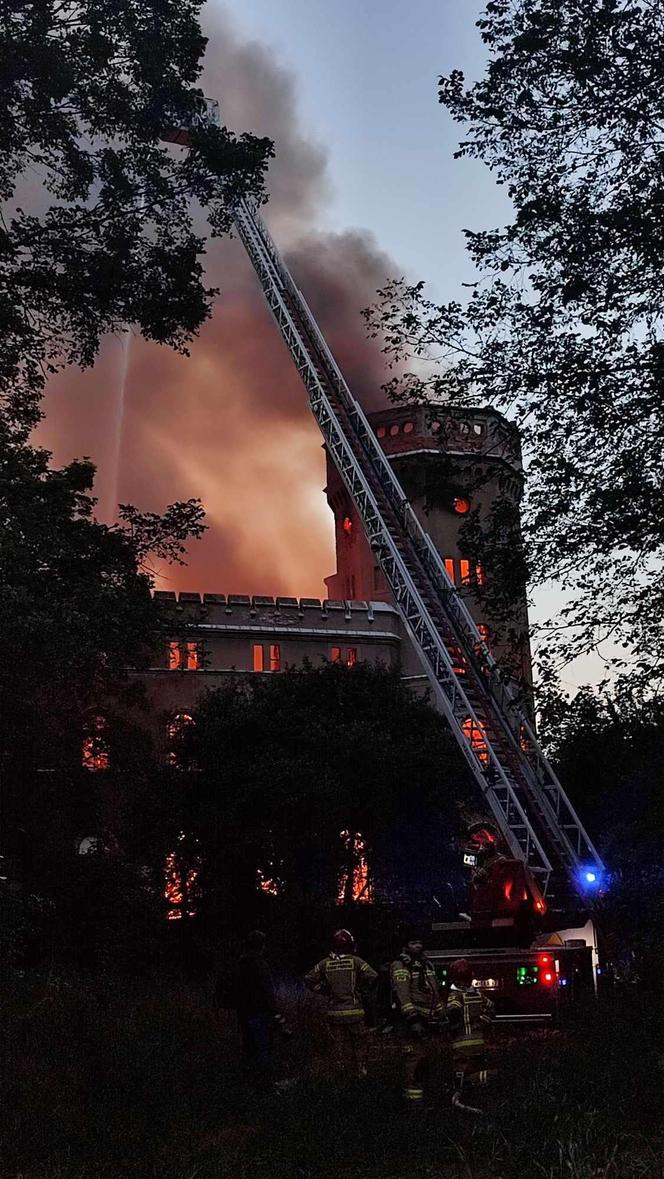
{"x": 181, "y": 888}
{"x": 361, "y": 890}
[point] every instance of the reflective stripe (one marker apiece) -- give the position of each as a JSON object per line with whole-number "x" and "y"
{"x": 413, "y": 1094}
{"x": 468, "y": 1043}
{"x": 339, "y": 1014}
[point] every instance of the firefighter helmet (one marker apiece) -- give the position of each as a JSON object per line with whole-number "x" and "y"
{"x": 461, "y": 972}
{"x": 343, "y": 939}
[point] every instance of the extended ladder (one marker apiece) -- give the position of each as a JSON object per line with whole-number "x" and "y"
{"x": 530, "y": 806}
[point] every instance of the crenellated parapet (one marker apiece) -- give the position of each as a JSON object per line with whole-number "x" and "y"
{"x": 224, "y": 609}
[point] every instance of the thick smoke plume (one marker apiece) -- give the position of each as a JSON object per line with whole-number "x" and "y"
{"x": 230, "y": 423}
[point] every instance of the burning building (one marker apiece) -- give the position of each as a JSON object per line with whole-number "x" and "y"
{"x": 450, "y": 464}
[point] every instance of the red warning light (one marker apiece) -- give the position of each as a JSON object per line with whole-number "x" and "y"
{"x": 547, "y": 977}
{"x": 544, "y": 959}
{"x": 461, "y": 505}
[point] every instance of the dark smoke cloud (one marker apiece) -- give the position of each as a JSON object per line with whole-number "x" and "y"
{"x": 230, "y": 423}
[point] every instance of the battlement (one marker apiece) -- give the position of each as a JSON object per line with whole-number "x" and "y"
{"x": 257, "y": 609}
{"x": 208, "y": 605}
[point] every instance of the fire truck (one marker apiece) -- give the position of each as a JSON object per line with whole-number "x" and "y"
{"x": 532, "y": 965}
{"x": 536, "y": 870}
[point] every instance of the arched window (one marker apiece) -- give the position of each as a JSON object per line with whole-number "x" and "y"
{"x": 94, "y": 750}
{"x": 175, "y": 731}
{"x": 181, "y": 888}
{"x": 354, "y": 881}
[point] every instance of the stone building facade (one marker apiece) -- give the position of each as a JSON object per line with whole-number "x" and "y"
{"x": 440, "y": 456}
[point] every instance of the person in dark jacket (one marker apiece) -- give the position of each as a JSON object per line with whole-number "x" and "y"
{"x": 469, "y": 1013}
{"x": 422, "y": 1011}
{"x": 257, "y": 1011}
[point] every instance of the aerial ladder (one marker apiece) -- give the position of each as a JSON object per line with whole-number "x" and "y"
{"x": 536, "y": 818}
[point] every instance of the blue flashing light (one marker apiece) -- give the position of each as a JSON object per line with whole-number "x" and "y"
{"x": 590, "y": 879}
{"x": 562, "y": 982}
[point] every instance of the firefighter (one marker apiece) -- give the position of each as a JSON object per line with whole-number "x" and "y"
{"x": 469, "y": 1014}
{"x": 420, "y": 1005}
{"x": 258, "y": 1014}
{"x": 345, "y": 979}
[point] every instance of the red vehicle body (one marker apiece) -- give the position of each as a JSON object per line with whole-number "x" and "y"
{"x": 532, "y": 961}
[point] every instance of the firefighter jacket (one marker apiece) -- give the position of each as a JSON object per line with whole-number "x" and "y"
{"x": 415, "y": 988}
{"x": 469, "y": 1014}
{"x": 343, "y": 978}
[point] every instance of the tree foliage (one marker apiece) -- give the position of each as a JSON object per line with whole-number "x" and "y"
{"x": 562, "y": 330}
{"x": 100, "y": 233}
{"x": 75, "y": 612}
{"x": 283, "y": 764}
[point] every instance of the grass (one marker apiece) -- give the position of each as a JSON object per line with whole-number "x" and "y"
{"x": 98, "y": 1085}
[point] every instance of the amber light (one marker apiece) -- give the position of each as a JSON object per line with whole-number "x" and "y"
{"x": 461, "y": 505}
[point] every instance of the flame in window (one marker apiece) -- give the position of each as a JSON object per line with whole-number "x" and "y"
{"x": 475, "y": 732}
{"x": 174, "y": 655}
{"x": 181, "y": 888}
{"x": 347, "y": 525}
{"x": 360, "y": 884}
{"x": 268, "y": 884}
{"x": 94, "y": 750}
{"x": 179, "y": 724}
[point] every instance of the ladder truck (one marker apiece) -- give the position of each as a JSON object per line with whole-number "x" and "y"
{"x": 539, "y": 827}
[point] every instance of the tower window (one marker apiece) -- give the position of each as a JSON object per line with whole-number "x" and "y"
{"x": 435, "y": 427}
{"x": 485, "y": 634}
{"x": 335, "y": 654}
{"x": 408, "y": 428}
{"x": 475, "y": 732}
{"x": 347, "y": 526}
{"x": 449, "y": 568}
{"x": 258, "y": 657}
{"x": 174, "y": 655}
{"x": 380, "y": 432}
{"x": 480, "y": 575}
{"x": 394, "y": 430}
{"x": 464, "y": 571}
{"x": 351, "y": 656}
{"x": 275, "y": 657}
